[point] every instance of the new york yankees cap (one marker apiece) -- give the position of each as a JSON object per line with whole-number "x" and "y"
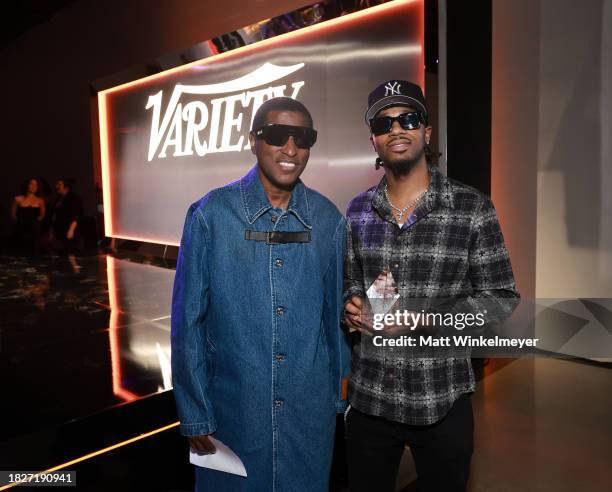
{"x": 395, "y": 93}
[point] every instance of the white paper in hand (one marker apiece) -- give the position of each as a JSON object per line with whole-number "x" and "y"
{"x": 224, "y": 459}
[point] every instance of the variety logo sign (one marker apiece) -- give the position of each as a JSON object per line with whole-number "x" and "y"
{"x": 169, "y": 138}
{"x": 183, "y": 129}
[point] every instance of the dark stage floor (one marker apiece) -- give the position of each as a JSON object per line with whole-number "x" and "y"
{"x": 85, "y": 365}
{"x": 80, "y": 335}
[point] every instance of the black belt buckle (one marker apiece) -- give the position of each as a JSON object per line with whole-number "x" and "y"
{"x": 277, "y": 237}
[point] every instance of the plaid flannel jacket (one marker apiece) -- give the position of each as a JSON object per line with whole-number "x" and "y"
{"x": 450, "y": 248}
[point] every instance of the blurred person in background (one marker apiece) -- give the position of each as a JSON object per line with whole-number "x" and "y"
{"x": 65, "y": 213}
{"x": 28, "y": 210}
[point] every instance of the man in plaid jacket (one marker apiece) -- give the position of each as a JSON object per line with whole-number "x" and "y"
{"x": 429, "y": 244}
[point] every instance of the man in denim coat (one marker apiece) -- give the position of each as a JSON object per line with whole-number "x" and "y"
{"x": 258, "y": 353}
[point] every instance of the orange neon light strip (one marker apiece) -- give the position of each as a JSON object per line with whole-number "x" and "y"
{"x": 99, "y": 452}
{"x": 102, "y": 95}
{"x": 113, "y": 334}
{"x": 104, "y": 159}
{"x": 165, "y": 242}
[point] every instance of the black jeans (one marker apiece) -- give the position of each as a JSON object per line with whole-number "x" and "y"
{"x": 441, "y": 451}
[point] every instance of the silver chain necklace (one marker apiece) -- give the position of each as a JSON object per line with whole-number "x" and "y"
{"x": 402, "y": 211}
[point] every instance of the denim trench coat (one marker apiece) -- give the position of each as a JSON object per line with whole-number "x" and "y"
{"x": 258, "y": 352}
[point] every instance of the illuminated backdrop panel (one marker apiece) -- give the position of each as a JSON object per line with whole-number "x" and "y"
{"x": 168, "y": 139}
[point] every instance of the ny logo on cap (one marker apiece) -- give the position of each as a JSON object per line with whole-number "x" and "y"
{"x": 392, "y": 88}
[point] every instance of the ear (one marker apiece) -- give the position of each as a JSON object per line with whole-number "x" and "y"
{"x": 373, "y": 143}
{"x": 428, "y": 130}
{"x": 252, "y": 141}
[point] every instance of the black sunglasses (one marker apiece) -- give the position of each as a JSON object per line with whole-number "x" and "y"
{"x": 408, "y": 121}
{"x": 278, "y": 135}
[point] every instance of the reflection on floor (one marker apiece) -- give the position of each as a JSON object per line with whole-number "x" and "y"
{"x": 84, "y": 365}
{"x": 89, "y": 332}
{"x": 543, "y": 425}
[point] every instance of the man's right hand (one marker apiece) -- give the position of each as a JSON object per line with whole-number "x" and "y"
{"x": 356, "y": 315}
{"x": 201, "y": 445}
